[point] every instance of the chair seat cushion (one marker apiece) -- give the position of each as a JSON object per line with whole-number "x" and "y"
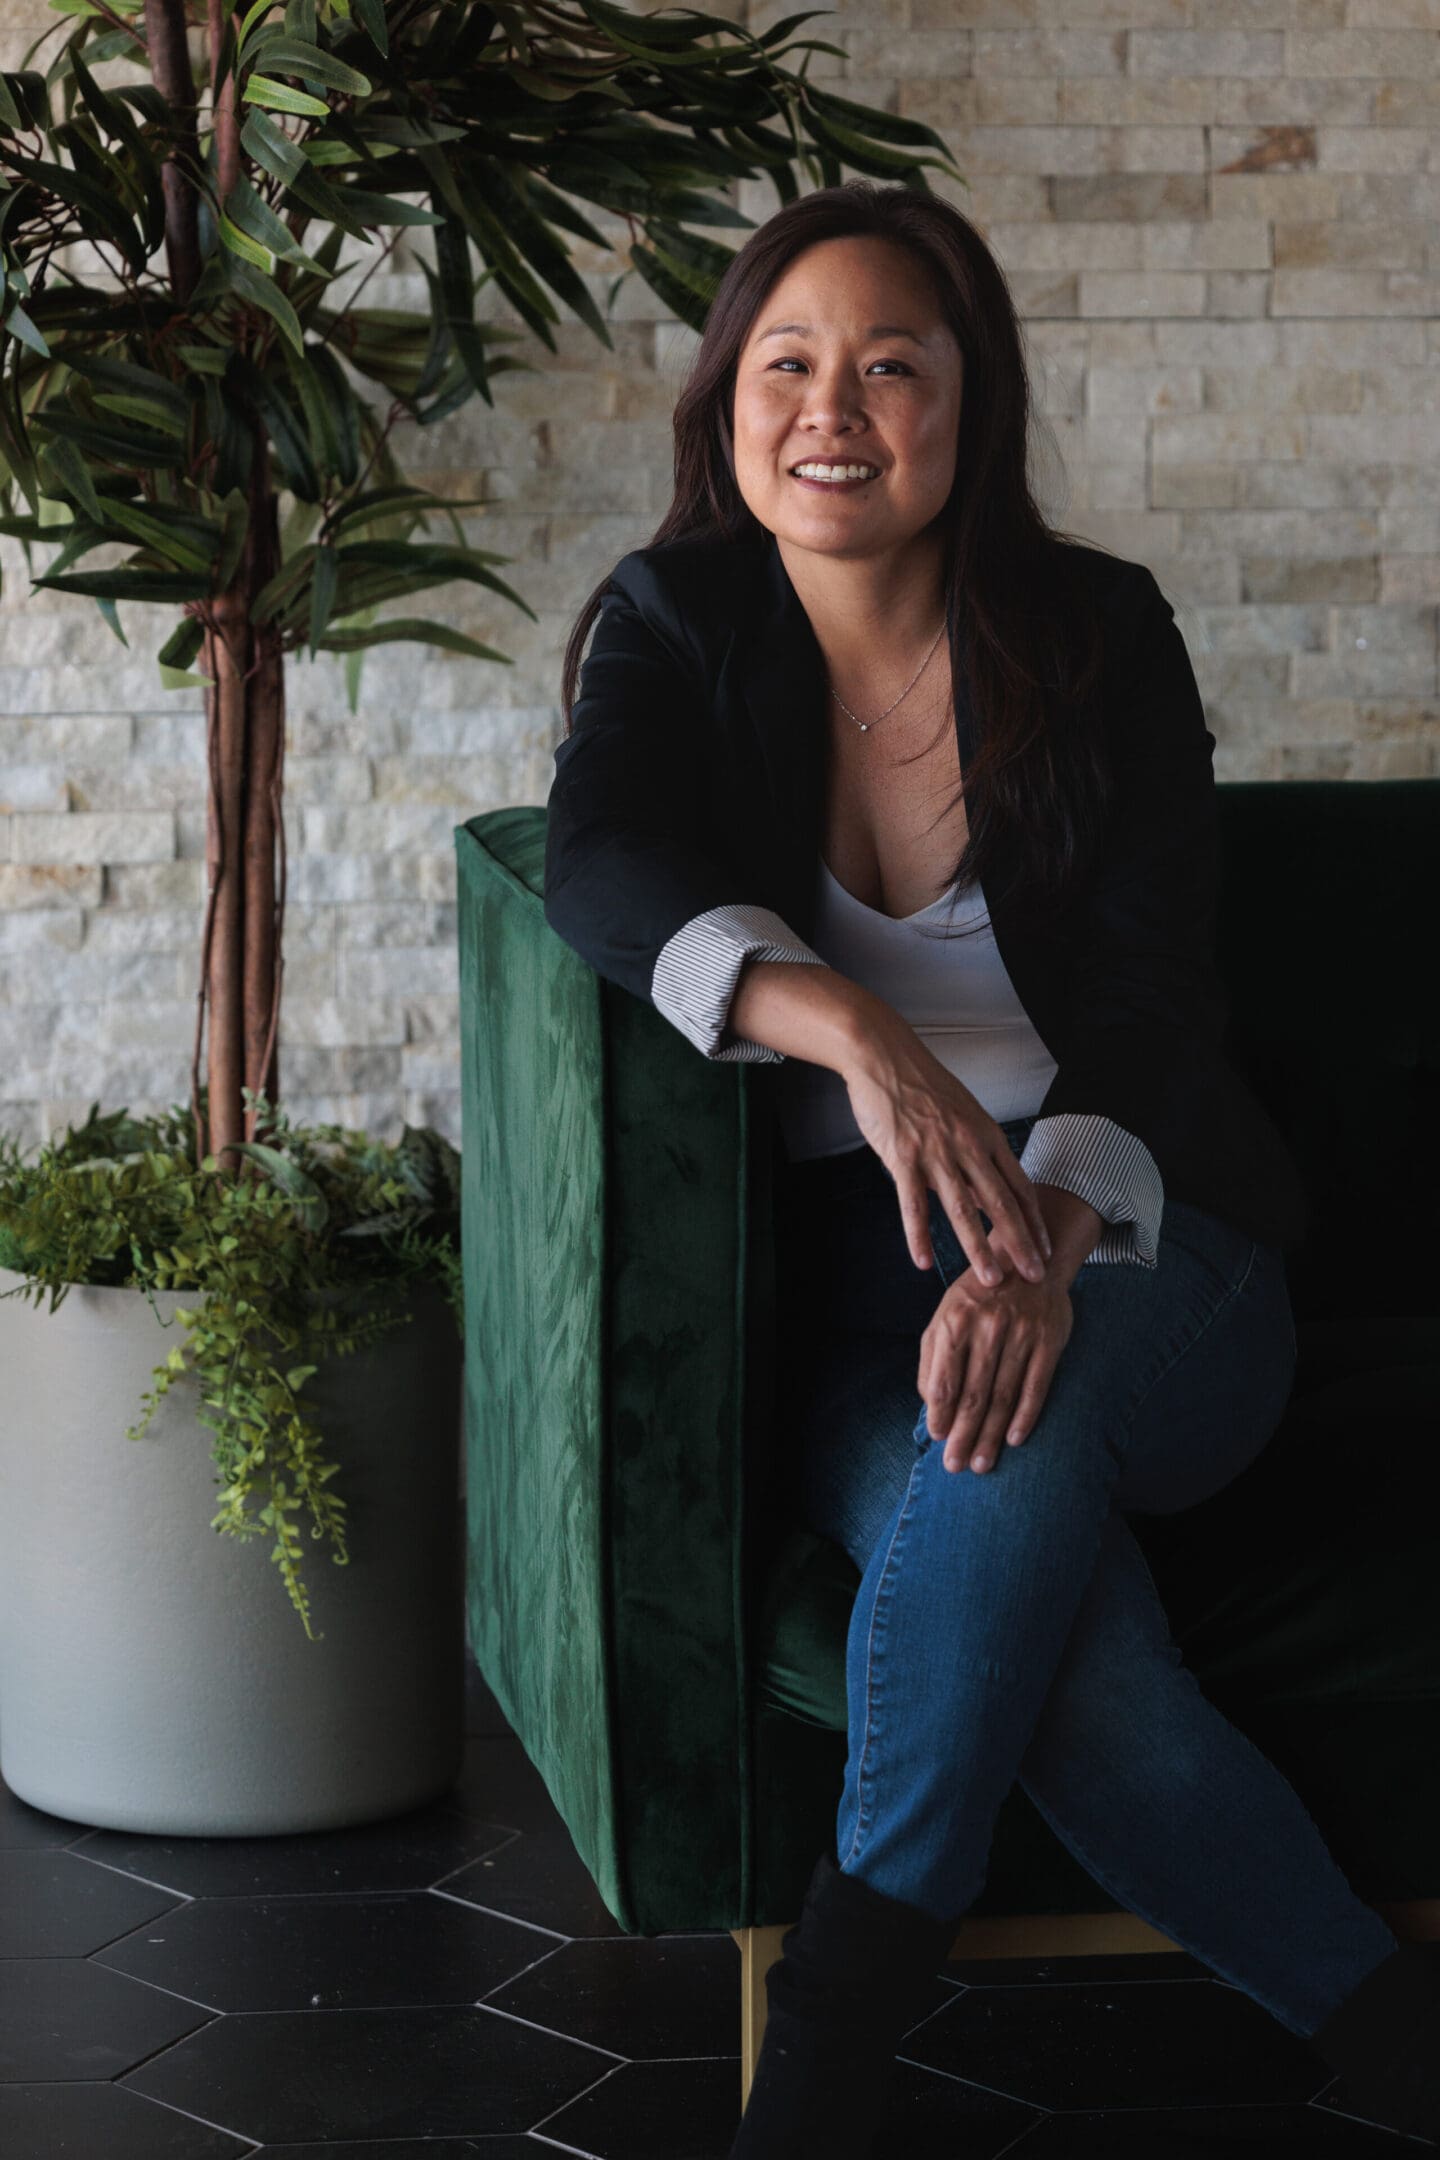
{"x": 1310, "y": 1578}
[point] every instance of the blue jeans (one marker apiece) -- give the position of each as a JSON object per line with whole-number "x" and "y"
{"x": 1007, "y": 1627}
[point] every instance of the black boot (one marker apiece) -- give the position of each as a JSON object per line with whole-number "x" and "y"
{"x": 855, "y": 1975}
{"x": 1384, "y": 2040}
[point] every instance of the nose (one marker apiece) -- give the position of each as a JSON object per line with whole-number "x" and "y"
{"x": 832, "y": 404}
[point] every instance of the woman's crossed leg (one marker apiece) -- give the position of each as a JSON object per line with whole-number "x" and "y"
{"x": 1007, "y": 1626}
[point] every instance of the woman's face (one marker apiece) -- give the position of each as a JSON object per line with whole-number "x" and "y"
{"x": 829, "y": 375}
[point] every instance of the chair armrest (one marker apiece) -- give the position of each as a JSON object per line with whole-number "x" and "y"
{"x": 610, "y": 1231}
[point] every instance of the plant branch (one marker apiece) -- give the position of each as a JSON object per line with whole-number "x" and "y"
{"x": 227, "y": 130}
{"x": 170, "y": 68}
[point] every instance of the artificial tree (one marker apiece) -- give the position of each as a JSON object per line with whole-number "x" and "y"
{"x": 188, "y": 390}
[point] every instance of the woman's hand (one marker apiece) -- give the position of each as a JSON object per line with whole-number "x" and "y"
{"x": 932, "y": 1134}
{"x": 986, "y": 1362}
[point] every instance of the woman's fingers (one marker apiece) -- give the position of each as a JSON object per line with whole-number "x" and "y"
{"x": 988, "y": 1331}
{"x": 913, "y": 1196}
{"x": 990, "y": 1183}
{"x": 1017, "y": 1359}
{"x": 959, "y": 1202}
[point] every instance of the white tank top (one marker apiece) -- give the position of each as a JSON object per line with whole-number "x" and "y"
{"x": 955, "y": 992}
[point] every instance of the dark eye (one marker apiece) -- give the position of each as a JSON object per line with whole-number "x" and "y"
{"x": 790, "y": 360}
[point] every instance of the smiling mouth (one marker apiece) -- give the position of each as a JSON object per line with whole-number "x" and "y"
{"x": 819, "y": 472}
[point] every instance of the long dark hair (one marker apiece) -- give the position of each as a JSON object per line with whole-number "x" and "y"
{"x": 1024, "y": 638}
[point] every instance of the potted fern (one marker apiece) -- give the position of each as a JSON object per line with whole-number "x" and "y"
{"x": 185, "y": 191}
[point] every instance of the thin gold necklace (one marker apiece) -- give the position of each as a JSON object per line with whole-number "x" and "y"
{"x": 865, "y": 725}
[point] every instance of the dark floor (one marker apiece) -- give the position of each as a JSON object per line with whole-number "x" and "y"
{"x": 449, "y": 1983}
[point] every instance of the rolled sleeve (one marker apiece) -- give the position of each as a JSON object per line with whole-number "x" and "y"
{"x": 1099, "y": 1161}
{"x": 698, "y": 969}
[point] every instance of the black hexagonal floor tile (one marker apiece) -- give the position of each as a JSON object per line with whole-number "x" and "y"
{"x": 499, "y": 1783}
{"x": 66, "y": 2017}
{"x": 1181, "y": 2043}
{"x": 667, "y": 1995}
{"x": 538, "y": 1876}
{"x": 465, "y": 2148}
{"x": 44, "y": 2122}
{"x": 401, "y": 1852}
{"x": 1280, "y": 2132}
{"x": 299, "y": 2077}
{"x": 23, "y": 1825}
{"x": 654, "y": 2111}
{"x": 330, "y": 1953}
{"x": 53, "y": 1903}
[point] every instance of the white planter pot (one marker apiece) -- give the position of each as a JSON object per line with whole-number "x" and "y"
{"x": 154, "y": 1674}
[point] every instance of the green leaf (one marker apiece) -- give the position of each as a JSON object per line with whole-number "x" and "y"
{"x": 148, "y": 411}
{"x": 291, "y": 445}
{"x": 258, "y": 8}
{"x": 234, "y": 525}
{"x": 70, "y": 469}
{"x": 204, "y": 359}
{"x": 264, "y": 293}
{"x": 411, "y": 630}
{"x": 856, "y": 150}
{"x": 371, "y": 14}
{"x": 19, "y": 325}
{"x": 882, "y": 126}
{"x": 279, "y": 97}
{"x": 259, "y": 224}
{"x": 504, "y": 187}
{"x": 271, "y": 148}
{"x": 273, "y": 151}
{"x": 130, "y": 447}
{"x": 109, "y": 612}
{"x": 324, "y": 584}
{"x": 170, "y": 533}
{"x": 241, "y": 244}
{"x": 292, "y": 56}
{"x": 85, "y": 196}
{"x": 290, "y": 1178}
{"x": 373, "y": 209}
{"x": 392, "y": 501}
{"x": 130, "y": 585}
{"x": 183, "y": 644}
{"x": 422, "y": 564}
{"x": 341, "y": 413}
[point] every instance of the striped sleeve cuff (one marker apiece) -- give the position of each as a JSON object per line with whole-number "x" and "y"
{"x": 698, "y": 968}
{"x": 1099, "y": 1161}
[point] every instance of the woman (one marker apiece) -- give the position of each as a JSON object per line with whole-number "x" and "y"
{"x": 1024, "y": 1160}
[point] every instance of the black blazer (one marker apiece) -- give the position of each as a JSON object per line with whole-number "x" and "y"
{"x": 693, "y": 778}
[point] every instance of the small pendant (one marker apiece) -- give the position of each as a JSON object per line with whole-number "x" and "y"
{"x": 864, "y": 727}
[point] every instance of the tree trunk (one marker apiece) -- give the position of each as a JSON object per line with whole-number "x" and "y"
{"x": 263, "y": 965}
{"x": 245, "y": 714}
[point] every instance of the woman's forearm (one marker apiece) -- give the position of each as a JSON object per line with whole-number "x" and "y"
{"x": 809, "y": 1012}
{"x": 820, "y": 1015}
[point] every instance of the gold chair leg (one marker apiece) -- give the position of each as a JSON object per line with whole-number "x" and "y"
{"x": 1019, "y": 1935}
{"x": 759, "y": 1949}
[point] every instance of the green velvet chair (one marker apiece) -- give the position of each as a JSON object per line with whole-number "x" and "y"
{"x": 670, "y": 1649}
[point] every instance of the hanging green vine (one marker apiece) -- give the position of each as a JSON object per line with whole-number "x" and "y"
{"x": 288, "y": 1256}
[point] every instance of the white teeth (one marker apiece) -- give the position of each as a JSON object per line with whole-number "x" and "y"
{"x": 836, "y": 472}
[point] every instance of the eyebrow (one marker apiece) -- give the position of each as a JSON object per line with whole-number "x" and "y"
{"x": 876, "y": 330}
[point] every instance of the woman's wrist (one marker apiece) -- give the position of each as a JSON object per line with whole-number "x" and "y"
{"x": 1075, "y": 1229}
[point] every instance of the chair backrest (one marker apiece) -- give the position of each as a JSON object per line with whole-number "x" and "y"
{"x": 1327, "y": 939}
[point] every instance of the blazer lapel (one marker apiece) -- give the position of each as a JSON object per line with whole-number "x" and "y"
{"x": 780, "y": 676}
